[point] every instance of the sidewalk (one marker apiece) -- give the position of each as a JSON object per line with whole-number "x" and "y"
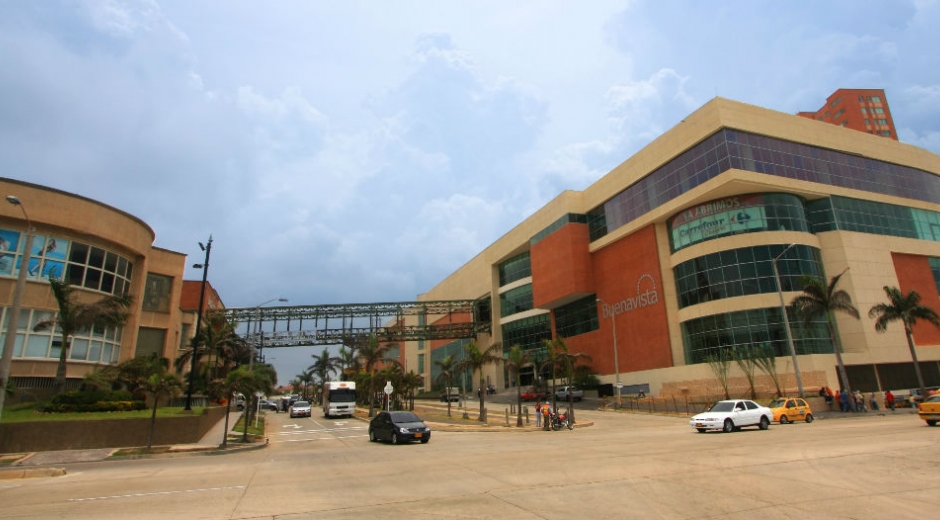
{"x": 42, "y": 464}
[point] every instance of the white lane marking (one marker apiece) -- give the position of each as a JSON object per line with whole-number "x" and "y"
{"x": 302, "y": 432}
{"x": 320, "y": 439}
{"x": 290, "y": 426}
{"x": 155, "y": 493}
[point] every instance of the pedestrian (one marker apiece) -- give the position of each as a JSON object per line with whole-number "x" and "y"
{"x": 889, "y": 400}
{"x": 873, "y": 402}
{"x": 859, "y": 401}
{"x": 538, "y": 413}
{"x": 546, "y": 417}
{"x": 829, "y": 397}
{"x": 844, "y": 398}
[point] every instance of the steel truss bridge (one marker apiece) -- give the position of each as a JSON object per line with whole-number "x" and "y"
{"x": 345, "y": 324}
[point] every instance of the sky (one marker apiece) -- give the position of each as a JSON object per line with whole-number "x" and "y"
{"x": 351, "y": 152}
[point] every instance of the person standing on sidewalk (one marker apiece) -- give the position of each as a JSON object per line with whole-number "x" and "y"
{"x": 538, "y": 413}
{"x": 889, "y": 400}
{"x": 546, "y": 418}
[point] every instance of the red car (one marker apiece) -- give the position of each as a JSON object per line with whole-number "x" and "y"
{"x": 532, "y": 394}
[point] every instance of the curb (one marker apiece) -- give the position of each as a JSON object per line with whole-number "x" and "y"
{"x": 20, "y": 473}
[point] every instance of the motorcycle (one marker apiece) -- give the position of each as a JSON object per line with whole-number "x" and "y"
{"x": 561, "y": 420}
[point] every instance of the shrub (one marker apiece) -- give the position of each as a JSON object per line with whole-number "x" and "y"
{"x": 92, "y": 400}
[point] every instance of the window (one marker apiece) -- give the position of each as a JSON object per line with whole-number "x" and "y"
{"x": 516, "y": 268}
{"x": 844, "y": 123}
{"x": 577, "y": 317}
{"x": 882, "y": 121}
{"x": 864, "y": 110}
{"x": 839, "y": 114}
{"x": 867, "y": 122}
{"x": 878, "y": 110}
{"x": 885, "y": 133}
{"x": 515, "y": 301}
{"x": 835, "y": 102}
{"x": 875, "y": 99}
{"x": 157, "y": 293}
{"x": 150, "y": 342}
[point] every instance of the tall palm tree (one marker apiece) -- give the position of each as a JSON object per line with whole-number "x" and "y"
{"x": 411, "y": 382}
{"x": 819, "y": 299}
{"x": 446, "y": 375}
{"x": 516, "y": 360}
{"x": 475, "y": 361}
{"x": 324, "y": 365}
{"x": 907, "y": 309}
{"x": 371, "y": 353}
{"x": 348, "y": 364}
{"x": 75, "y": 316}
{"x": 566, "y": 360}
{"x": 305, "y": 379}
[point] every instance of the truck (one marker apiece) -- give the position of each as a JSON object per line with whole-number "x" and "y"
{"x": 450, "y": 393}
{"x": 339, "y": 399}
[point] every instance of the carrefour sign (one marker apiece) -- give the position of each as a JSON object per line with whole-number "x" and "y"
{"x": 646, "y": 295}
{"x": 717, "y": 218}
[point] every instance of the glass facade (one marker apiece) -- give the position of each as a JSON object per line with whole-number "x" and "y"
{"x": 577, "y": 317}
{"x": 569, "y": 218}
{"x": 516, "y": 300}
{"x": 754, "y": 327}
{"x": 727, "y": 149}
{"x": 528, "y": 333}
{"x": 846, "y": 214}
{"x": 98, "y": 345}
{"x": 456, "y": 349}
{"x": 740, "y": 272}
{"x": 516, "y": 268}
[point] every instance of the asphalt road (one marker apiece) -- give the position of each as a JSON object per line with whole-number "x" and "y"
{"x": 624, "y": 466}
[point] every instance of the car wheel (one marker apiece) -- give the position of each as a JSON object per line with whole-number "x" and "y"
{"x": 764, "y": 423}
{"x": 729, "y": 426}
{"x": 931, "y": 423}
{"x": 810, "y": 418}
{"x": 784, "y": 419}
{"x": 372, "y": 437}
{"x": 701, "y": 430}
{"x": 394, "y": 438}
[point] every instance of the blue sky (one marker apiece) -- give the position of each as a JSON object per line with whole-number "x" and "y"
{"x": 362, "y": 151}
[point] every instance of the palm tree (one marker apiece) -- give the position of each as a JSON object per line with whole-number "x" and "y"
{"x": 446, "y": 375}
{"x": 565, "y": 359}
{"x": 516, "y": 360}
{"x": 819, "y": 299}
{"x": 305, "y": 379}
{"x": 75, "y": 316}
{"x": 906, "y": 309}
{"x": 371, "y": 353}
{"x": 348, "y": 363}
{"x": 324, "y": 365}
{"x": 476, "y": 360}
{"x": 160, "y": 384}
{"x": 411, "y": 382}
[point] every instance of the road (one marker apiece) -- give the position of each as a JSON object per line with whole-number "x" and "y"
{"x": 624, "y": 466}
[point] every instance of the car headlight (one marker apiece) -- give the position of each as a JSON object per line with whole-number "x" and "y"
{"x": 403, "y": 430}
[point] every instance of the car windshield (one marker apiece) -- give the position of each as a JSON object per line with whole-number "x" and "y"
{"x": 299, "y": 404}
{"x": 777, "y": 403}
{"x": 722, "y": 406}
{"x": 404, "y": 417}
{"x": 933, "y": 399}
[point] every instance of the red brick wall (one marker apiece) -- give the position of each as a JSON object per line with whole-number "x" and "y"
{"x": 561, "y": 265}
{"x": 914, "y": 274}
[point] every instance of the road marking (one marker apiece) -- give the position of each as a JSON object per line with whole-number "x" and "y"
{"x": 135, "y": 495}
{"x": 290, "y": 426}
{"x": 320, "y": 439}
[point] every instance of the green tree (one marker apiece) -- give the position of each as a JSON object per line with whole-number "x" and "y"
{"x": 371, "y": 353}
{"x": 819, "y": 299}
{"x": 324, "y": 365}
{"x": 348, "y": 364}
{"x": 446, "y": 375}
{"x": 719, "y": 360}
{"x": 907, "y": 309}
{"x": 563, "y": 359}
{"x": 475, "y": 361}
{"x": 158, "y": 385}
{"x": 411, "y": 382}
{"x": 75, "y": 316}
{"x": 744, "y": 357}
{"x": 516, "y": 360}
{"x": 766, "y": 359}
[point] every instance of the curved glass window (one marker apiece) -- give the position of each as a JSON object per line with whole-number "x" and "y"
{"x": 740, "y": 272}
{"x": 516, "y": 300}
{"x": 97, "y": 345}
{"x": 516, "y": 268}
{"x": 709, "y": 335}
{"x": 728, "y": 149}
{"x": 80, "y": 264}
{"x": 736, "y": 215}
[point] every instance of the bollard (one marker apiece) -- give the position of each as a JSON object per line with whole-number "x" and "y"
{"x": 525, "y": 411}
{"x": 507, "y": 416}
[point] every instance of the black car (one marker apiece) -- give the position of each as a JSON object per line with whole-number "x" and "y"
{"x": 398, "y": 427}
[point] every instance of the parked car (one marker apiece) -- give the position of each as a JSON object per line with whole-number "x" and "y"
{"x": 732, "y": 415}
{"x": 930, "y": 410}
{"x": 300, "y": 409}
{"x": 562, "y": 393}
{"x": 790, "y": 409}
{"x": 397, "y": 427}
{"x": 531, "y": 394}
{"x": 451, "y": 394}
{"x": 271, "y": 405}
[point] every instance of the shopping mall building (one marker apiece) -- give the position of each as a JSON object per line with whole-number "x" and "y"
{"x": 101, "y": 251}
{"x": 668, "y": 258}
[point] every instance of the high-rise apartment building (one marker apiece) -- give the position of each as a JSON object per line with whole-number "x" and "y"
{"x": 865, "y": 110}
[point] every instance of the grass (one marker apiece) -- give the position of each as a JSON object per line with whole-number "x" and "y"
{"x": 26, "y": 412}
{"x": 252, "y": 429}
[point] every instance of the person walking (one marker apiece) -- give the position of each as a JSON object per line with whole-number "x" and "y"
{"x": 889, "y": 400}
{"x": 859, "y": 401}
{"x": 844, "y": 399}
{"x": 873, "y": 402}
{"x": 538, "y": 413}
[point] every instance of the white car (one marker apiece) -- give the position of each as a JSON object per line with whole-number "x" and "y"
{"x": 561, "y": 394}
{"x": 732, "y": 415}
{"x": 300, "y": 409}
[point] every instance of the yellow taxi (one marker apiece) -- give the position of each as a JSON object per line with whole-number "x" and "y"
{"x": 930, "y": 410}
{"x": 790, "y": 409}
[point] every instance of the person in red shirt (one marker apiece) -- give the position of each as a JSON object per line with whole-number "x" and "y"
{"x": 889, "y": 399}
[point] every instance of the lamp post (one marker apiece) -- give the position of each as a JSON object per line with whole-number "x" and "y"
{"x": 202, "y": 297}
{"x": 786, "y": 323}
{"x": 14, "y": 317}
{"x": 259, "y": 332}
{"x": 613, "y": 322}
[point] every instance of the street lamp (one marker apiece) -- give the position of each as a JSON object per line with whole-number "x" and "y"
{"x": 613, "y": 322}
{"x": 6, "y": 360}
{"x": 786, "y": 322}
{"x": 202, "y": 297}
{"x": 259, "y": 332}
